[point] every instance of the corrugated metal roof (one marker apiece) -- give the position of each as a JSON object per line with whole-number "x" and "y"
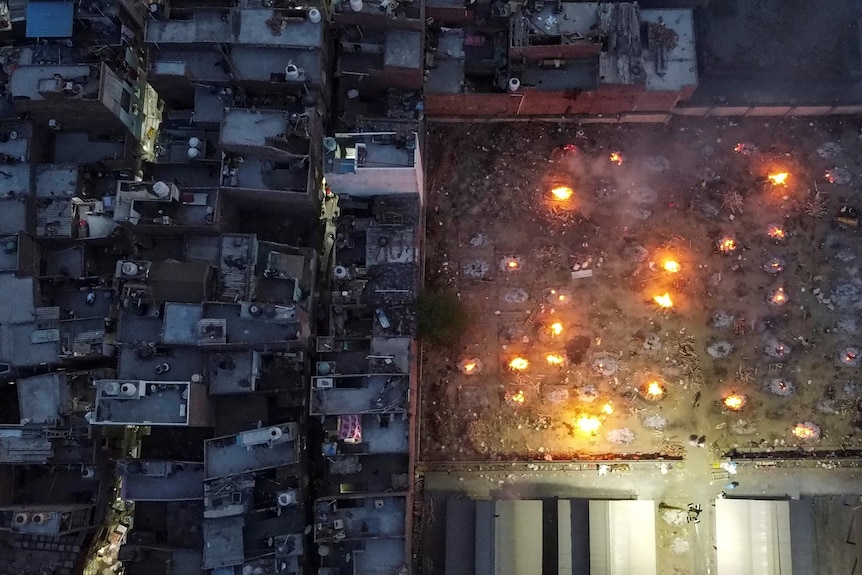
{"x": 50, "y": 19}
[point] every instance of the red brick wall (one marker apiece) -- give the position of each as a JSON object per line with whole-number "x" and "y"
{"x": 606, "y": 100}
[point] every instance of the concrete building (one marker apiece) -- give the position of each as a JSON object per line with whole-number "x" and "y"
{"x": 170, "y": 403}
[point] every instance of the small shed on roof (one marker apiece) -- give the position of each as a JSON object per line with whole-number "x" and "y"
{"x": 50, "y": 18}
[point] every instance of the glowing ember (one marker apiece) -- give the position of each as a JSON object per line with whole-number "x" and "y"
{"x": 746, "y": 149}
{"x": 556, "y": 328}
{"x": 617, "y": 158}
{"x": 671, "y": 266}
{"x": 727, "y": 245}
{"x": 776, "y": 233}
{"x": 562, "y": 193}
{"x": 654, "y": 390}
{"x": 588, "y": 424}
{"x": 779, "y": 179}
{"x": 734, "y": 401}
{"x": 470, "y": 367}
{"x": 806, "y": 430}
{"x": 607, "y": 408}
{"x": 554, "y": 359}
{"x": 559, "y": 297}
{"x": 778, "y": 297}
{"x": 518, "y": 397}
{"x": 519, "y": 364}
{"x": 663, "y": 300}
{"x": 774, "y": 266}
{"x": 512, "y": 264}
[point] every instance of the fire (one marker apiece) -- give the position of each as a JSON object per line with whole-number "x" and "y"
{"x": 518, "y": 397}
{"x": 556, "y": 328}
{"x": 617, "y": 158}
{"x": 654, "y": 390}
{"x": 519, "y": 364}
{"x": 671, "y": 266}
{"x": 734, "y": 401}
{"x": 512, "y": 264}
{"x": 470, "y": 367}
{"x": 562, "y": 193}
{"x": 554, "y": 359}
{"x": 663, "y": 300}
{"x": 607, "y": 408}
{"x": 727, "y": 245}
{"x": 779, "y": 179}
{"x": 805, "y": 431}
{"x": 776, "y": 233}
{"x": 588, "y": 424}
{"x": 778, "y": 297}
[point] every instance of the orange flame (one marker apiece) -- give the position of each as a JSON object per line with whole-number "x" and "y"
{"x": 470, "y": 367}
{"x": 663, "y": 300}
{"x": 562, "y": 193}
{"x": 776, "y": 233}
{"x": 607, "y": 408}
{"x": 727, "y": 245}
{"x": 779, "y": 179}
{"x": 519, "y": 364}
{"x": 734, "y": 401}
{"x": 671, "y": 266}
{"x": 518, "y": 397}
{"x": 554, "y": 359}
{"x": 617, "y": 158}
{"x": 654, "y": 390}
{"x": 588, "y": 424}
{"x": 556, "y": 328}
{"x": 778, "y": 297}
{"x": 512, "y": 264}
{"x": 803, "y": 431}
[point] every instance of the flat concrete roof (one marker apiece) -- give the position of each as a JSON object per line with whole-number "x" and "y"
{"x": 44, "y": 398}
{"x": 56, "y": 180}
{"x": 403, "y": 49}
{"x": 235, "y": 454}
{"x": 24, "y": 80}
{"x": 242, "y": 127}
{"x": 145, "y": 402}
{"x": 150, "y": 480}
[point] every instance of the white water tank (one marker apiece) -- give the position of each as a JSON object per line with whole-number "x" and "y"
{"x": 340, "y": 272}
{"x": 195, "y": 143}
{"x": 130, "y": 269}
{"x": 314, "y": 16}
{"x": 110, "y": 388}
{"x": 275, "y": 433}
{"x": 88, "y": 472}
{"x": 161, "y": 190}
{"x": 193, "y": 153}
{"x": 330, "y": 144}
{"x": 39, "y": 518}
{"x": 128, "y": 389}
{"x": 197, "y": 378}
{"x": 514, "y": 84}
{"x": 286, "y": 498}
{"x": 356, "y": 5}
{"x": 21, "y": 519}
{"x": 291, "y": 71}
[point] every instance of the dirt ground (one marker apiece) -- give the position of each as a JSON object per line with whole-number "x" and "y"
{"x": 776, "y": 320}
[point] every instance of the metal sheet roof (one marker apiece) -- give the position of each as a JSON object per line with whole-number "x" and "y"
{"x": 50, "y": 19}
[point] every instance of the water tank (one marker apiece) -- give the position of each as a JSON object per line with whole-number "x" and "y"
{"x": 110, "y": 388}
{"x": 128, "y": 389}
{"x": 195, "y": 143}
{"x": 286, "y": 498}
{"x": 197, "y": 378}
{"x": 39, "y": 518}
{"x": 55, "y": 125}
{"x": 314, "y": 16}
{"x": 254, "y": 310}
{"x": 161, "y": 190}
{"x": 193, "y": 153}
{"x": 291, "y": 71}
{"x": 275, "y": 433}
{"x": 329, "y": 144}
{"x": 356, "y": 5}
{"x": 88, "y": 472}
{"x": 340, "y": 272}
{"x": 21, "y": 519}
{"x": 514, "y": 84}
{"x": 130, "y": 269}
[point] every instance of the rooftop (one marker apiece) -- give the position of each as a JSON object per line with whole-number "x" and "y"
{"x": 56, "y": 181}
{"x": 40, "y": 83}
{"x": 345, "y": 519}
{"x": 143, "y": 362}
{"x": 43, "y": 398}
{"x": 233, "y": 372}
{"x": 252, "y": 128}
{"x": 133, "y": 402}
{"x": 149, "y": 480}
{"x": 251, "y": 27}
{"x": 223, "y": 542}
{"x": 215, "y": 324}
{"x": 359, "y": 394}
{"x": 253, "y": 450}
